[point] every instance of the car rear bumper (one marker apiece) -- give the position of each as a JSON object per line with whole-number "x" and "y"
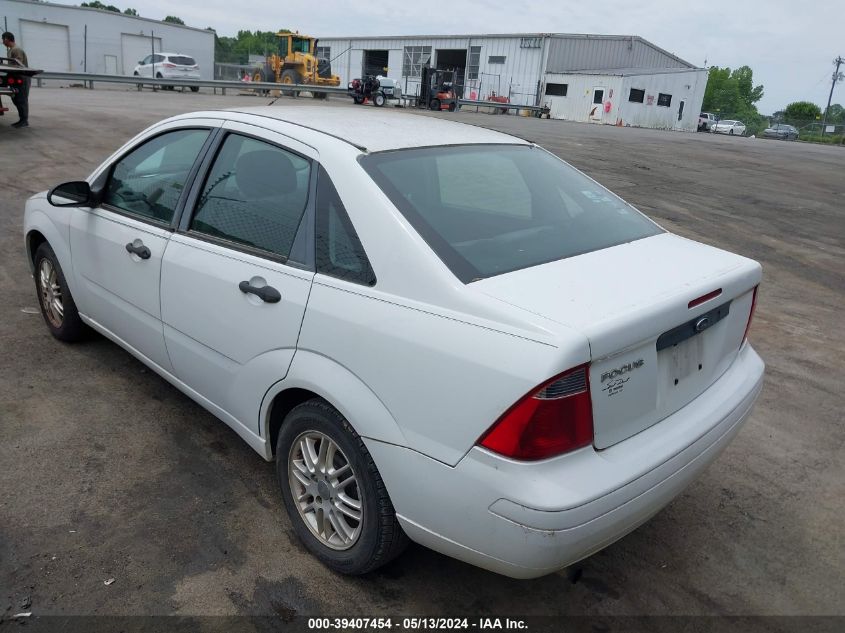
{"x": 526, "y": 520}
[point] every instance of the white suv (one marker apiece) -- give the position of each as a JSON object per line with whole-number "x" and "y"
{"x": 168, "y": 66}
{"x": 469, "y": 344}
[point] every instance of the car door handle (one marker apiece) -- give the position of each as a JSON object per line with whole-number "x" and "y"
{"x": 140, "y": 250}
{"x": 267, "y": 294}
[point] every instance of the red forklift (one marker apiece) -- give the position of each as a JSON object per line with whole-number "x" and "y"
{"x": 437, "y": 90}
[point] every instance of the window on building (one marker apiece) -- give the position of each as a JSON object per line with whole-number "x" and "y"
{"x": 414, "y": 59}
{"x": 323, "y": 52}
{"x": 637, "y": 96}
{"x": 474, "y": 61}
{"x": 530, "y": 42}
{"x": 556, "y": 90}
{"x": 496, "y": 59}
{"x": 664, "y": 100}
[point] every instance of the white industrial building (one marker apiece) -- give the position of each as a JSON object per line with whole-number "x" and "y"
{"x": 63, "y": 38}
{"x": 614, "y": 79}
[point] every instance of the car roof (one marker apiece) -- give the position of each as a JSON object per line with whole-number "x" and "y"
{"x": 374, "y": 129}
{"x": 177, "y": 54}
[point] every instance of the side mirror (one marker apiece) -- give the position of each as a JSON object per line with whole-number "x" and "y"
{"x": 78, "y": 193}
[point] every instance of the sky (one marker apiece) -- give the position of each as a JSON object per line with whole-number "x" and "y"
{"x": 789, "y": 48}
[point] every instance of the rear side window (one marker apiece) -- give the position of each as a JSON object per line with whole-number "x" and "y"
{"x": 149, "y": 181}
{"x": 339, "y": 251}
{"x": 255, "y": 195}
{"x": 488, "y": 210}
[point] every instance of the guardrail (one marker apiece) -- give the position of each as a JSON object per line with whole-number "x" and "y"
{"x": 88, "y": 80}
{"x": 503, "y": 106}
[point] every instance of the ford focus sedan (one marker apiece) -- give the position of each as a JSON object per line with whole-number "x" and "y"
{"x": 438, "y": 332}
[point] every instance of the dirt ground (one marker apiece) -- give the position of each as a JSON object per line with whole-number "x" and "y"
{"x": 106, "y": 471}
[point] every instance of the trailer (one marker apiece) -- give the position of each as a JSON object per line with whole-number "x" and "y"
{"x": 13, "y": 75}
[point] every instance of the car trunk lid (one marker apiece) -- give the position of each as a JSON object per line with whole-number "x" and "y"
{"x": 664, "y": 316}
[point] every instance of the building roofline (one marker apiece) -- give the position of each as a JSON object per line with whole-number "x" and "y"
{"x": 39, "y": 3}
{"x": 584, "y": 36}
{"x": 627, "y": 72}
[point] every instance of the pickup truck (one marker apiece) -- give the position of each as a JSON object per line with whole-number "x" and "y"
{"x": 706, "y": 121}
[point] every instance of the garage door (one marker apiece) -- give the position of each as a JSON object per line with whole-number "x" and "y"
{"x": 135, "y": 48}
{"x": 47, "y": 46}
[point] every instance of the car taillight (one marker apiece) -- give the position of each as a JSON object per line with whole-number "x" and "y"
{"x": 555, "y": 418}
{"x": 750, "y": 314}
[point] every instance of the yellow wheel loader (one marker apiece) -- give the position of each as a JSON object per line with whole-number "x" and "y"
{"x": 296, "y": 63}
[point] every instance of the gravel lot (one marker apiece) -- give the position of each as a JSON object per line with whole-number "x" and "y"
{"x": 109, "y": 472}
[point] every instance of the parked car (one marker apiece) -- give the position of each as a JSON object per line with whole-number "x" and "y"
{"x": 438, "y": 332}
{"x": 169, "y": 66}
{"x": 782, "y": 131}
{"x": 729, "y": 126}
{"x": 706, "y": 121}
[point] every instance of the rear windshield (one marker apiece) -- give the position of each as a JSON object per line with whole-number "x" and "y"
{"x": 182, "y": 60}
{"x": 491, "y": 209}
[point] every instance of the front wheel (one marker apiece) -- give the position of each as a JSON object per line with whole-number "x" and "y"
{"x": 731, "y": 132}
{"x": 333, "y": 491}
{"x": 195, "y": 88}
{"x": 434, "y": 104}
{"x": 378, "y": 99}
{"x": 56, "y": 302}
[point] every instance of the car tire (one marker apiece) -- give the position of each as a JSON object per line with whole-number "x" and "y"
{"x": 54, "y": 298}
{"x": 195, "y": 88}
{"x": 434, "y": 104}
{"x": 731, "y": 132}
{"x": 378, "y": 99}
{"x": 340, "y": 541}
{"x": 138, "y": 86}
{"x": 453, "y": 107}
{"x": 357, "y": 99}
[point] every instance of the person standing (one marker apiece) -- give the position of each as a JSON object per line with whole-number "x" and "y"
{"x": 21, "y": 99}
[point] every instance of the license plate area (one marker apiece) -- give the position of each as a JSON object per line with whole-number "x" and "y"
{"x": 693, "y": 327}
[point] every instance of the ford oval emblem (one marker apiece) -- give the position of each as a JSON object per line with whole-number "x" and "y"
{"x": 702, "y": 324}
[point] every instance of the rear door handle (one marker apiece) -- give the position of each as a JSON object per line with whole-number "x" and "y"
{"x": 267, "y": 294}
{"x": 140, "y": 250}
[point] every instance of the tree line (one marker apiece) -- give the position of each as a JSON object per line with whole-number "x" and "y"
{"x": 731, "y": 94}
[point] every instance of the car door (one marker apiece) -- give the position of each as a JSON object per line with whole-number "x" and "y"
{"x": 237, "y": 275}
{"x": 117, "y": 247}
{"x": 144, "y": 66}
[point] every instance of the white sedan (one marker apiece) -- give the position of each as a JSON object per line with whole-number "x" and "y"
{"x": 438, "y": 332}
{"x": 728, "y": 126}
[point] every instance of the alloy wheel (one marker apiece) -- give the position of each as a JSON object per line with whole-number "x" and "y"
{"x": 325, "y": 490}
{"x": 51, "y": 293}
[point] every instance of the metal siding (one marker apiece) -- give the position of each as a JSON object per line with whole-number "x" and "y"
{"x": 687, "y": 86}
{"x": 586, "y": 53}
{"x": 519, "y": 74}
{"x": 578, "y": 102}
{"x": 104, "y": 34}
{"x": 576, "y": 105}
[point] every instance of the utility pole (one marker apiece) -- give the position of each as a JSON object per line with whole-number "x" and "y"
{"x": 836, "y": 77}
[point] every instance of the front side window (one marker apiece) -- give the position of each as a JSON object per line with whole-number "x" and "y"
{"x": 149, "y": 181}
{"x": 491, "y": 209}
{"x": 147, "y": 60}
{"x": 339, "y": 252}
{"x": 255, "y": 196}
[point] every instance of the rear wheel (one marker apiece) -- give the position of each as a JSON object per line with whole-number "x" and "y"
{"x": 320, "y": 95}
{"x": 453, "y": 106}
{"x": 139, "y": 86}
{"x": 358, "y": 99}
{"x": 195, "y": 88}
{"x": 731, "y": 132}
{"x": 333, "y": 492}
{"x": 56, "y": 302}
